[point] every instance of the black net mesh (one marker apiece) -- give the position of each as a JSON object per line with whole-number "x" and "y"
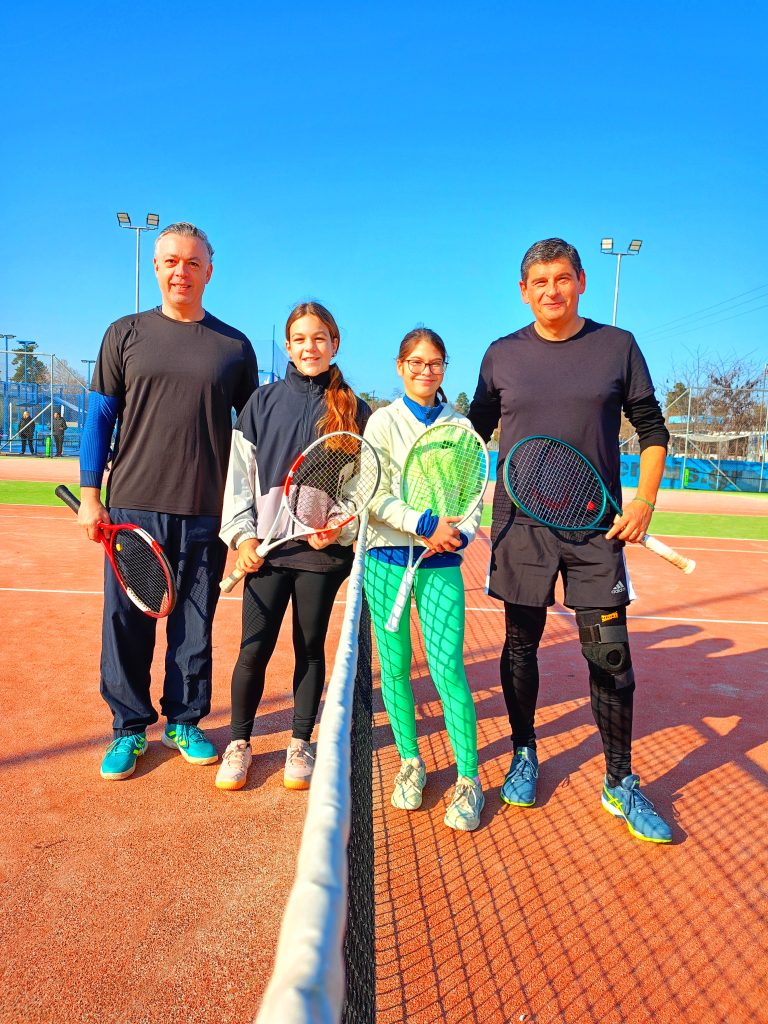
{"x": 359, "y": 950}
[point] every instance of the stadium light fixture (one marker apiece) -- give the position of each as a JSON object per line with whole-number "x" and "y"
{"x": 153, "y": 220}
{"x": 606, "y": 246}
{"x": 8, "y": 339}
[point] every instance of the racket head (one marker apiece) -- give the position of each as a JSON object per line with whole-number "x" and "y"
{"x": 332, "y": 482}
{"x": 446, "y": 470}
{"x": 555, "y": 484}
{"x": 141, "y": 568}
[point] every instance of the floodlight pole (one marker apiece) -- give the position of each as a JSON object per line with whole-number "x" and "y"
{"x": 8, "y": 339}
{"x": 124, "y": 221}
{"x": 606, "y": 246}
{"x": 616, "y": 290}
{"x": 765, "y": 429}
{"x": 89, "y": 363}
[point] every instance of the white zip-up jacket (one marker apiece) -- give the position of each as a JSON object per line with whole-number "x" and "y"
{"x": 392, "y": 431}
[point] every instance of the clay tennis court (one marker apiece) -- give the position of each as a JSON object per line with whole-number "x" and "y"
{"x": 159, "y": 898}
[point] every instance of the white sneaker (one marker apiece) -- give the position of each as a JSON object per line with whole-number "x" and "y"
{"x": 235, "y": 762}
{"x": 464, "y": 809}
{"x": 409, "y": 784}
{"x": 299, "y": 765}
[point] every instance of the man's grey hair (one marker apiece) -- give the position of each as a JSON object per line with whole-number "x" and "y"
{"x": 186, "y": 230}
{"x": 547, "y": 251}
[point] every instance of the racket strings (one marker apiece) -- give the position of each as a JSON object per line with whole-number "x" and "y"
{"x": 142, "y": 570}
{"x": 553, "y": 483}
{"x": 447, "y": 473}
{"x": 333, "y": 483}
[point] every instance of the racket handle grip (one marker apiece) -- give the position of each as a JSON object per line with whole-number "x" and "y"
{"x": 64, "y": 494}
{"x": 686, "y": 565}
{"x": 231, "y": 581}
{"x": 403, "y": 595}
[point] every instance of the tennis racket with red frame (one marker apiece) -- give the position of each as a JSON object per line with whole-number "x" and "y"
{"x": 553, "y": 483}
{"x": 327, "y": 487}
{"x": 139, "y": 562}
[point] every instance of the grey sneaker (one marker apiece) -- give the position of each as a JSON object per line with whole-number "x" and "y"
{"x": 409, "y": 785}
{"x": 464, "y": 809}
{"x": 235, "y": 762}
{"x": 299, "y": 765}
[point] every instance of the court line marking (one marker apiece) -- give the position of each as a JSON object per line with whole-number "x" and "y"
{"x": 491, "y": 611}
{"x": 652, "y": 618}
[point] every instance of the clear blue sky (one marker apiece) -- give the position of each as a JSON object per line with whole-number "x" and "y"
{"x": 392, "y": 160}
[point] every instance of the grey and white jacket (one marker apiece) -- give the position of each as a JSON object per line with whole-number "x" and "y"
{"x": 278, "y": 422}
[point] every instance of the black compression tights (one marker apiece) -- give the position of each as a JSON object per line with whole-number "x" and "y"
{"x": 519, "y": 670}
{"x": 264, "y": 604}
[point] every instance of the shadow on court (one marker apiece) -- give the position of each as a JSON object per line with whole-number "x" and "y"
{"x": 555, "y": 913}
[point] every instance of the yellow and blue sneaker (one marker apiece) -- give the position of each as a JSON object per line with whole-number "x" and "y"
{"x": 191, "y": 743}
{"x": 627, "y": 802}
{"x": 121, "y": 756}
{"x": 519, "y": 787}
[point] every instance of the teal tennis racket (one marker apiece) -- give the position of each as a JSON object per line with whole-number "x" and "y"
{"x": 556, "y": 485}
{"x": 446, "y": 470}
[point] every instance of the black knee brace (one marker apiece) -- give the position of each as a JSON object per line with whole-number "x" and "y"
{"x": 605, "y": 645}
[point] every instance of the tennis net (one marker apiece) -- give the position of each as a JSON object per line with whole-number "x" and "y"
{"x": 325, "y": 967}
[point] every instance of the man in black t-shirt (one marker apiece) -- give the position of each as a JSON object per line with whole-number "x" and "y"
{"x": 569, "y": 377}
{"x": 168, "y": 378}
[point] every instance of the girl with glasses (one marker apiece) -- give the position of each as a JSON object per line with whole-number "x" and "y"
{"x": 438, "y": 587}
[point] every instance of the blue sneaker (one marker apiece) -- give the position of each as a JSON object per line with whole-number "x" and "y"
{"x": 627, "y": 802}
{"x": 519, "y": 787}
{"x": 121, "y": 756}
{"x": 190, "y": 742}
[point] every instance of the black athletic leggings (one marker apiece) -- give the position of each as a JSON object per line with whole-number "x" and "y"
{"x": 265, "y": 601}
{"x": 519, "y": 669}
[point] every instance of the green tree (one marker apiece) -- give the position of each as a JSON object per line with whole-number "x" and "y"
{"x": 461, "y": 403}
{"x": 28, "y": 367}
{"x": 372, "y": 401}
{"x": 677, "y": 390}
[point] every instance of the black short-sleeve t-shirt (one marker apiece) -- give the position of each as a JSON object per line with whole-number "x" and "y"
{"x": 176, "y": 384}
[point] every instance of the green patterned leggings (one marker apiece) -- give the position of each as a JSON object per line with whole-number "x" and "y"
{"x": 440, "y": 603}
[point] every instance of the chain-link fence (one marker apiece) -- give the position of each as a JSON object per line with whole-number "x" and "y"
{"x": 43, "y": 385}
{"x": 40, "y": 384}
{"x": 718, "y": 440}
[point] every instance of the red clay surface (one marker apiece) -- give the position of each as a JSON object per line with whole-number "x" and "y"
{"x": 158, "y": 899}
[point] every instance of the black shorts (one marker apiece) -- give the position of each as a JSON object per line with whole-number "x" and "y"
{"x": 528, "y": 557}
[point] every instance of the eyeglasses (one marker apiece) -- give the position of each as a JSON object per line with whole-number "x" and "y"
{"x": 437, "y": 366}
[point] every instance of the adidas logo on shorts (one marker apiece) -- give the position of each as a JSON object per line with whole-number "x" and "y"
{"x": 619, "y": 588}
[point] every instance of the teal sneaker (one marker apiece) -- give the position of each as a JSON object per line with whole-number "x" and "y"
{"x": 627, "y": 802}
{"x": 519, "y": 789}
{"x": 121, "y": 756}
{"x": 190, "y": 742}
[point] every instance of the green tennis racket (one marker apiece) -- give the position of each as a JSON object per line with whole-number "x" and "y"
{"x": 446, "y": 470}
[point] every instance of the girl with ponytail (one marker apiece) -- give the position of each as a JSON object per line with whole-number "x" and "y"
{"x": 279, "y": 421}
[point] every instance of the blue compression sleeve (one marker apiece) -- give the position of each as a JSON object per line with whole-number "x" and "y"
{"x": 94, "y": 444}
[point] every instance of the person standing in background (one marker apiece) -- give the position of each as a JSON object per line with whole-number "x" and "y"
{"x": 58, "y": 427}
{"x": 26, "y": 432}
